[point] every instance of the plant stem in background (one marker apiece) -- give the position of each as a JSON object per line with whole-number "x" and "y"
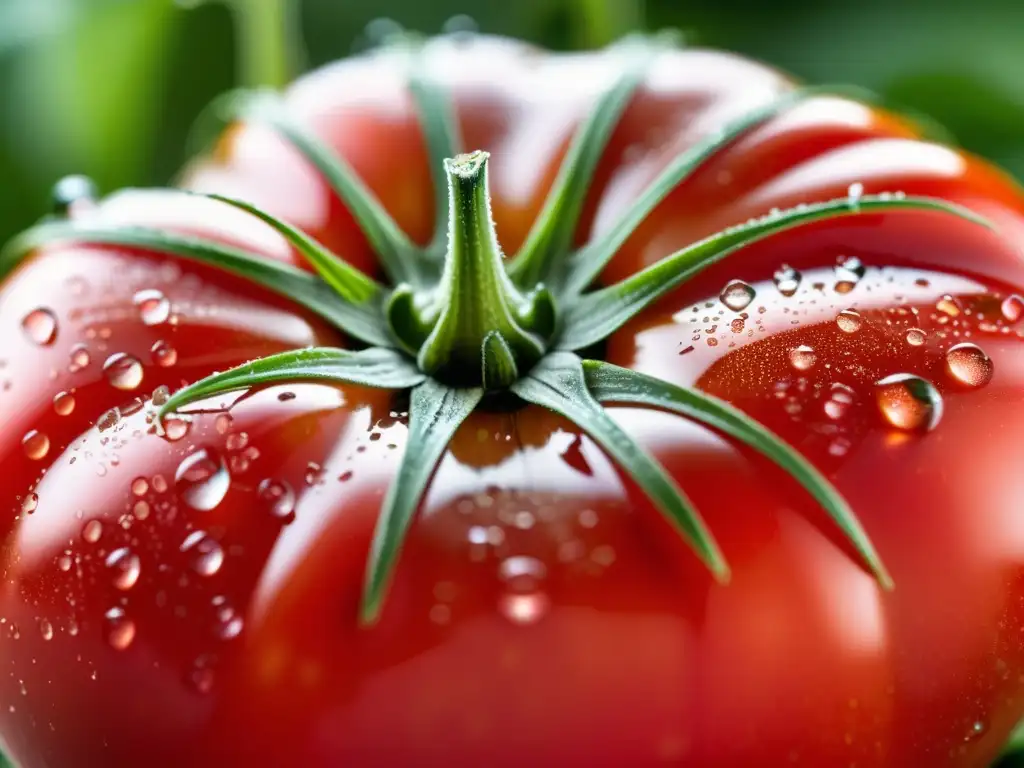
{"x": 599, "y": 22}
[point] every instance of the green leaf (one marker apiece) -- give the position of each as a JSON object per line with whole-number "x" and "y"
{"x": 557, "y": 382}
{"x": 401, "y": 259}
{"x": 552, "y": 232}
{"x": 597, "y": 315}
{"x": 435, "y": 413}
{"x": 374, "y": 367}
{"x": 362, "y": 321}
{"x": 594, "y": 256}
{"x": 610, "y": 383}
{"x": 351, "y": 284}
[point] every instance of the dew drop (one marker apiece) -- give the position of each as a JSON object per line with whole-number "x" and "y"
{"x": 64, "y": 562}
{"x": 125, "y": 567}
{"x": 968, "y": 364}
{"x": 229, "y": 623}
{"x": 916, "y": 337}
{"x": 205, "y": 553}
{"x": 787, "y": 280}
{"x": 63, "y": 403}
{"x": 737, "y": 295}
{"x": 1012, "y": 308}
{"x": 202, "y": 479}
{"x": 92, "y": 531}
{"x": 948, "y": 305}
{"x": 161, "y": 395}
{"x": 840, "y": 399}
{"x": 803, "y": 358}
{"x": 153, "y": 306}
{"x": 849, "y": 271}
{"x": 108, "y": 420}
{"x": 176, "y": 427}
{"x": 279, "y": 498}
{"x": 164, "y": 354}
{"x": 909, "y": 402}
{"x": 35, "y": 444}
{"x": 46, "y": 629}
{"x": 80, "y": 356}
{"x": 29, "y": 503}
{"x": 523, "y": 601}
{"x": 40, "y": 325}
{"x": 849, "y": 321}
{"x": 123, "y": 371}
{"x": 854, "y": 193}
{"x": 120, "y": 629}
{"x": 140, "y": 486}
{"x": 141, "y": 510}
{"x": 201, "y": 676}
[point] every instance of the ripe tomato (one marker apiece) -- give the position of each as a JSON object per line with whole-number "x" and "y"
{"x": 192, "y": 599}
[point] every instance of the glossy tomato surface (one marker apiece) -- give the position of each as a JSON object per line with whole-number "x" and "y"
{"x": 191, "y": 599}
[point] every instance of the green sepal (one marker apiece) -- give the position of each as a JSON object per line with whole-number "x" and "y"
{"x": 362, "y": 321}
{"x": 498, "y": 365}
{"x": 349, "y": 283}
{"x": 557, "y": 382}
{"x": 610, "y": 383}
{"x": 374, "y": 367}
{"x": 400, "y": 257}
{"x": 552, "y": 232}
{"x": 540, "y": 312}
{"x": 597, "y": 315}
{"x": 409, "y": 320}
{"x": 590, "y": 259}
{"x": 435, "y": 414}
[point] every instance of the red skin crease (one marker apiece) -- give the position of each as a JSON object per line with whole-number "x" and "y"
{"x": 542, "y": 613}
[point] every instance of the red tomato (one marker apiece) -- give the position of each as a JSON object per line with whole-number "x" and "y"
{"x": 192, "y": 599}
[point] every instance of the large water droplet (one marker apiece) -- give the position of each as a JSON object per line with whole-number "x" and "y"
{"x": 30, "y": 503}
{"x": 125, "y": 567}
{"x": 175, "y": 427}
{"x": 909, "y": 402}
{"x": 279, "y": 498}
{"x": 35, "y": 444}
{"x": 916, "y": 337}
{"x": 63, "y": 403}
{"x": 120, "y": 629}
{"x": 737, "y": 295}
{"x": 92, "y": 531}
{"x": 202, "y": 479}
{"x": 40, "y": 325}
{"x": 164, "y": 354}
{"x": 803, "y": 358}
{"x": 1012, "y": 308}
{"x": 123, "y": 371}
{"x": 849, "y": 321}
{"x": 523, "y": 602}
{"x": 154, "y": 308}
{"x": 205, "y": 553}
{"x": 968, "y": 364}
{"x": 787, "y": 280}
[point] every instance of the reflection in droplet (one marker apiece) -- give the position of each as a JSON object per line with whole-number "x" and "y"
{"x": 35, "y": 444}
{"x": 140, "y": 486}
{"x": 202, "y": 479}
{"x": 802, "y": 358}
{"x": 108, "y": 420}
{"x": 1012, "y": 308}
{"x": 154, "y": 308}
{"x": 63, "y": 403}
{"x": 46, "y": 629}
{"x": 968, "y": 364}
{"x": 92, "y": 531}
{"x": 120, "y": 629}
{"x": 948, "y": 305}
{"x": 840, "y": 399}
{"x": 849, "y": 321}
{"x": 909, "y": 402}
{"x": 175, "y": 427}
{"x": 787, "y": 280}
{"x": 279, "y": 498}
{"x": 125, "y": 567}
{"x": 523, "y": 602}
{"x": 164, "y": 354}
{"x": 916, "y": 337}
{"x": 737, "y": 295}
{"x": 205, "y": 553}
{"x": 79, "y": 356}
{"x": 123, "y": 371}
{"x": 40, "y": 325}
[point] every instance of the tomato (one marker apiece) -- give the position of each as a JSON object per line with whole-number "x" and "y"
{"x": 192, "y": 598}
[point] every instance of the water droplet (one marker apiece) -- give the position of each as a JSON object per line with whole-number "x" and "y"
{"x": 854, "y": 193}
{"x": 849, "y": 321}
{"x": 279, "y": 498}
{"x": 154, "y": 308}
{"x": 840, "y": 398}
{"x": 176, "y": 427}
{"x": 46, "y": 629}
{"x": 787, "y": 280}
{"x": 164, "y": 354}
{"x": 125, "y": 566}
{"x": 229, "y": 623}
{"x": 523, "y": 602}
{"x": 159, "y": 484}
{"x": 976, "y": 730}
{"x": 161, "y": 395}
{"x": 916, "y": 337}
{"x": 1012, "y": 308}
{"x": 849, "y": 271}
{"x": 202, "y": 479}
{"x": 201, "y": 676}
{"x": 948, "y": 305}
{"x": 79, "y": 356}
{"x": 737, "y": 295}
{"x": 909, "y": 402}
{"x": 35, "y": 444}
{"x": 40, "y": 325}
{"x": 803, "y": 358}
{"x": 63, "y": 403}
{"x": 206, "y": 554}
{"x": 968, "y": 364}
{"x": 141, "y": 510}
{"x": 92, "y": 531}
{"x": 123, "y": 371}
{"x": 140, "y": 486}
{"x": 237, "y": 441}
{"x": 64, "y": 562}
{"x": 120, "y": 629}
{"x": 108, "y": 420}
{"x": 71, "y": 191}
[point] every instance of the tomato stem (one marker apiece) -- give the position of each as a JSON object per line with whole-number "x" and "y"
{"x": 268, "y": 41}
{"x": 486, "y": 330}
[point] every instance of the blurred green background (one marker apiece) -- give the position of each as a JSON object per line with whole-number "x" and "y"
{"x": 109, "y": 88}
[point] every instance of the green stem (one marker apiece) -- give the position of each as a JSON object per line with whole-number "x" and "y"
{"x": 600, "y": 22}
{"x": 483, "y": 331}
{"x": 269, "y": 44}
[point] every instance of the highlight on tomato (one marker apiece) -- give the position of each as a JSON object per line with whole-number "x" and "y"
{"x": 470, "y": 404}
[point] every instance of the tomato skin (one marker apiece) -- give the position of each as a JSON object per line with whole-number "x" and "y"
{"x": 542, "y": 613}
